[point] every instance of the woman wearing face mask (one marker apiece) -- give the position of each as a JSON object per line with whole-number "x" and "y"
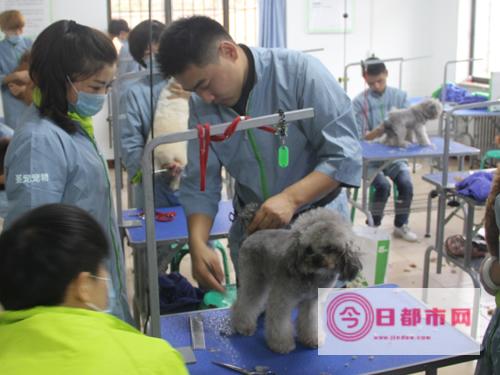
{"x": 53, "y": 284}
{"x": 53, "y": 156}
{"x": 12, "y": 48}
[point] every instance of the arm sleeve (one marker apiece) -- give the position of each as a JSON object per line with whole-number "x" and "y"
{"x": 36, "y": 173}
{"x": 192, "y": 199}
{"x": 134, "y": 125}
{"x": 332, "y": 131}
{"x": 405, "y": 101}
{"x": 361, "y": 120}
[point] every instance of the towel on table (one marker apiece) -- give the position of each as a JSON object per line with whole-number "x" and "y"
{"x": 477, "y": 186}
{"x": 177, "y": 294}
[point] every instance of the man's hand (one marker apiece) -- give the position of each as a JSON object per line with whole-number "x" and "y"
{"x": 16, "y": 89}
{"x": 206, "y": 268}
{"x": 275, "y": 212}
{"x": 174, "y": 168}
{"x": 21, "y": 77}
{"x": 375, "y": 133}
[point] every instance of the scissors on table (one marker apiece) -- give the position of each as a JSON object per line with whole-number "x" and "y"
{"x": 259, "y": 370}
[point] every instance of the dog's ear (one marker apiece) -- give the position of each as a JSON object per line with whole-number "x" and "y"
{"x": 349, "y": 263}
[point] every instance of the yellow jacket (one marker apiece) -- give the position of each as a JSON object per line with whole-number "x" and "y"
{"x": 72, "y": 341}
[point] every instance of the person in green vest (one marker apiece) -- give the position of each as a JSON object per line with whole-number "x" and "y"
{"x": 57, "y": 294}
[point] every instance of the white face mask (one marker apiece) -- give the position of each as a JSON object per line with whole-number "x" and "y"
{"x": 111, "y": 296}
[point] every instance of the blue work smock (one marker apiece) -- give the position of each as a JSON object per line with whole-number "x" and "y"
{"x": 328, "y": 143}
{"x": 135, "y": 131}
{"x": 126, "y": 63}
{"x": 371, "y": 109}
{"x": 45, "y": 164}
{"x": 5, "y": 131}
{"x": 10, "y": 54}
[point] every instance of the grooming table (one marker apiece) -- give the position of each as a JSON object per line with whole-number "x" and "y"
{"x": 252, "y": 351}
{"x": 167, "y": 233}
{"x": 373, "y": 151}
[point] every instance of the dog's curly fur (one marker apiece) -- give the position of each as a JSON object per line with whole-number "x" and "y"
{"x": 280, "y": 269}
{"x": 171, "y": 116}
{"x": 403, "y": 124}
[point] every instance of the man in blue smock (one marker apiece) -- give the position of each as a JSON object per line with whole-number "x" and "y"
{"x": 230, "y": 80}
{"x": 12, "y": 47}
{"x": 371, "y": 108}
{"x": 135, "y": 123}
{"x": 119, "y": 31}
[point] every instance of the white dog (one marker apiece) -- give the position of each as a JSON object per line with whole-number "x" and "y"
{"x": 171, "y": 116}
{"x": 281, "y": 269}
{"x": 403, "y": 124}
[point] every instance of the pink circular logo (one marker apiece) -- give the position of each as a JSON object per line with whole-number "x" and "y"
{"x": 349, "y": 316}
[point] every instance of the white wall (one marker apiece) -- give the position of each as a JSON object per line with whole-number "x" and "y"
{"x": 88, "y": 12}
{"x": 388, "y": 28}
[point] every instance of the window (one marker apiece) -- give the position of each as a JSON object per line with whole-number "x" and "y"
{"x": 485, "y": 39}
{"x": 240, "y": 17}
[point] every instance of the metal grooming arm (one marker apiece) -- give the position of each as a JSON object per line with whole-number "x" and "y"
{"x": 147, "y": 170}
{"x": 448, "y": 63}
{"x": 116, "y": 94}
{"x": 448, "y": 114}
{"x": 400, "y": 59}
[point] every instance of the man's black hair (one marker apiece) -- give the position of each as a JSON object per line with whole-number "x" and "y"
{"x": 373, "y": 66}
{"x": 116, "y": 26}
{"x": 43, "y": 251}
{"x": 4, "y": 143}
{"x": 189, "y": 41}
{"x": 65, "y": 50}
{"x": 138, "y": 39}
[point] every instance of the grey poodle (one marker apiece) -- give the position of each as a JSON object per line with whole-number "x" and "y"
{"x": 403, "y": 124}
{"x": 280, "y": 269}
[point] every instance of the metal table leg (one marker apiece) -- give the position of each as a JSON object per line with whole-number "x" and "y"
{"x": 429, "y": 213}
